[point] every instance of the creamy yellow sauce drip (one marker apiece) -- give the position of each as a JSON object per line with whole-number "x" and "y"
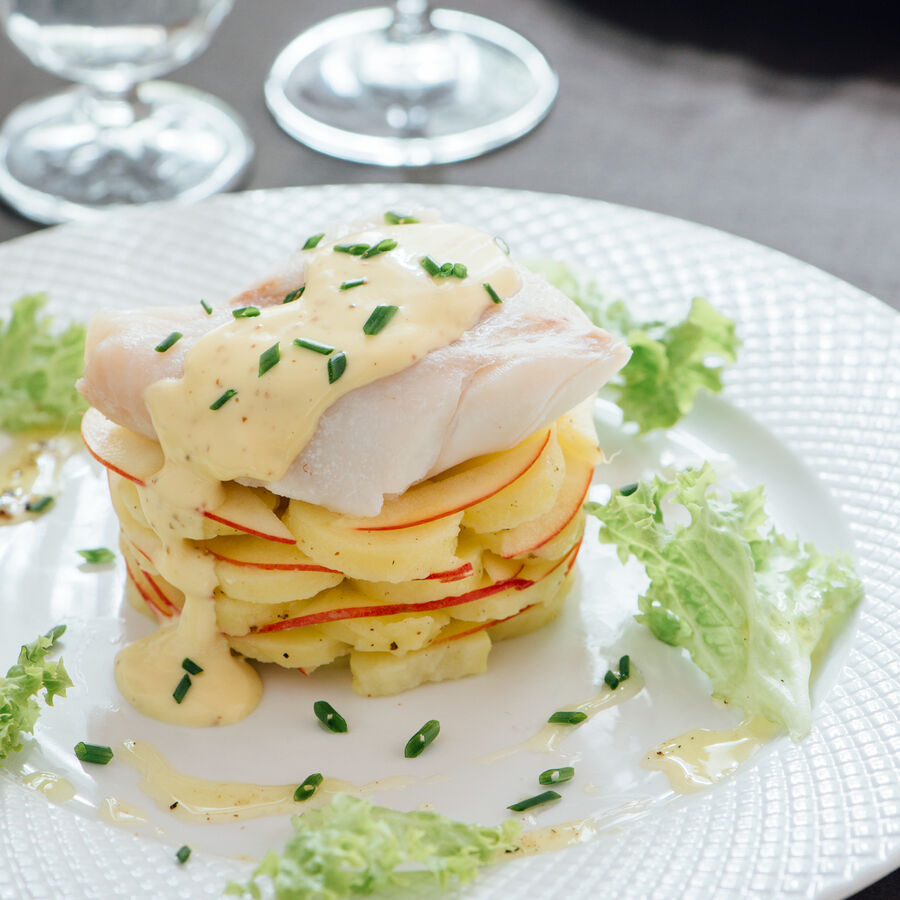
{"x": 261, "y": 430}
{"x": 30, "y": 465}
{"x": 53, "y": 787}
{"x": 551, "y": 736}
{"x": 201, "y": 800}
{"x": 698, "y": 759}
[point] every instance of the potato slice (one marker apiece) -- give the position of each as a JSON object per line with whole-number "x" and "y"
{"x": 397, "y": 634}
{"x": 272, "y": 586}
{"x": 299, "y": 648}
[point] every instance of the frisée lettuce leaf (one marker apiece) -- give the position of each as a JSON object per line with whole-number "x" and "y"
{"x": 351, "y": 847}
{"x": 753, "y": 608}
{"x": 24, "y": 681}
{"x": 37, "y": 380}
{"x": 669, "y": 363}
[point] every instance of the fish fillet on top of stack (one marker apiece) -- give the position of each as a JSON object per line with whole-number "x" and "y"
{"x": 399, "y": 482}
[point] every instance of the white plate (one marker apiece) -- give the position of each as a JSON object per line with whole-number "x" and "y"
{"x": 811, "y": 409}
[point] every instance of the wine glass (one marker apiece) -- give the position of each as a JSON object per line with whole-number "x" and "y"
{"x": 117, "y": 138}
{"x": 409, "y": 86}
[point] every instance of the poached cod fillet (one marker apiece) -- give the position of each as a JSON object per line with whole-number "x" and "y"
{"x": 378, "y": 452}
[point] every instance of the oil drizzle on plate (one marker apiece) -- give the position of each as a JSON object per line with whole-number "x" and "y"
{"x": 120, "y": 812}
{"x": 699, "y": 759}
{"x": 54, "y": 787}
{"x": 30, "y": 465}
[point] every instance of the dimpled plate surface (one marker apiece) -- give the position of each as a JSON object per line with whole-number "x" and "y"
{"x": 817, "y": 372}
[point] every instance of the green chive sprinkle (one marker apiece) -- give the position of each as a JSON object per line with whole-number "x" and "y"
{"x": 501, "y": 244}
{"x": 316, "y": 347}
{"x": 624, "y": 668}
{"x": 446, "y": 269}
{"x": 183, "y": 687}
{"x": 337, "y": 364}
{"x": 294, "y": 295}
{"x": 190, "y": 666}
{"x": 170, "y": 341}
{"x": 39, "y": 505}
{"x": 269, "y": 358}
{"x": 218, "y": 404}
{"x": 395, "y": 218}
{"x": 381, "y": 315}
{"x": 97, "y": 555}
{"x": 522, "y": 805}
{"x": 381, "y": 247}
{"x": 430, "y": 266}
{"x": 313, "y": 240}
{"x": 556, "y": 776}
{"x": 206, "y": 307}
{"x": 567, "y": 717}
{"x": 245, "y": 312}
{"x": 628, "y": 489}
{"x": 93, "y": 753}
{"x": 352, "y": 249}
{"x": 182, "y": 853}
{"x": 309, "y": 787}
{"x": 346, "y": 285}
{"x": 459, "y": 270}
{"x": 492, "y": 293}
{"x": 329, "y": 717}
{"x": 422, "y": 738}
{"x": 611, "y": 680}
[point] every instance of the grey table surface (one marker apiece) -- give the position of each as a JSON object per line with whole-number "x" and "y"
{"x": 752, "y": 118}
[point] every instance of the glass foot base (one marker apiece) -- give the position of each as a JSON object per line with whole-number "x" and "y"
{"x": 73, "y": 155}
{"x": 351, "y": 88}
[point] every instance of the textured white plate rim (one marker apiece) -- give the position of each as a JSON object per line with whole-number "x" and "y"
{"x": 859, "y": 871}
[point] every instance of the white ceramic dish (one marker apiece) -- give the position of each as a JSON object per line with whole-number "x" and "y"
{"x": 811, "y": 409}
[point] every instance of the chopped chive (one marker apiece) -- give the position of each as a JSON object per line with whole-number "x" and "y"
{"x": 41, "y": 504}
{"x": 492, "y": 293}
{"x": 346, "y": 285}
{"x": 381, "y": 247}
{"x": 628, "y": 489}
{"x": 269, "y": 358}
{"x": 315, "y": 346}
{"x": 395, "y": 218}
{"x": 245, "y": 312}
{"x": 190, "y": 666}
{"x": 446, "y": 269}
{"x": 352, "y": 249}
{"x": 430, "y": 266}
{"x": 218, "y": 404}
{"x": 624, "y": 667}
{"x": 170, "y": 341}
{"x": 422, "y": 738}
{"x": 522, "y": 805}
{"x": 182, "y": 853}
{"x": 97, "y": 555}
{"x": 329, "y": 717}
{"x": 459, "y": 270}
{"x": 556, "y": 776}
{"x": 294, "y": 295}
{"x": 93, "y": 753}
{"x": 381, "y": 315}
{"x": 567, "y": 717}
{"x": 611, "y": 680}
{"x": 206, "y": 307}
{"x": 501, "y": 244}
{"x": 183, "y": 687}
{"x": 309, "y": 787}
{"x": 336, "y": 366}
{"x": 313, "y": 240}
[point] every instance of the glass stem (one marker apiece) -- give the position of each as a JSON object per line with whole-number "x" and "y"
{"x": 412, "y": 19}
{"x": 113, "y": 108}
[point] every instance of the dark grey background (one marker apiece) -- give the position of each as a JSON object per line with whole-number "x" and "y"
{"x": 778, "y": 121}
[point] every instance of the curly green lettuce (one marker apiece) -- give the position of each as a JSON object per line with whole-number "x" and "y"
{"x": 669, "y": 364}
{"x": 351, "y": 847}
{"x": 754, "y": 609}
{"x": 37, "y": 379}
{"x": 24, "y": 681}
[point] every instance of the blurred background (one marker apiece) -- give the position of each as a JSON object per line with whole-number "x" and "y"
{"x": 777, "y": 121}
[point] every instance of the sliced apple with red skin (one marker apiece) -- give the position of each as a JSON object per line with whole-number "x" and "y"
{"x": 532, "y": 535}
{"x": 126, "y": 453}
{"x": 256, "y": 553}
{"x": 456, "y": 574}
{"x": 245, "y": 510}
{"x": 457, "y": 488}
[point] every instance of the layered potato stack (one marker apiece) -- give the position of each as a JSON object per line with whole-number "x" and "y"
{"x": 479, "y": 553}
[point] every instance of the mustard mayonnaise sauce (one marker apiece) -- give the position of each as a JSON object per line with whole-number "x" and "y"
{"x": 259, "y": 432}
